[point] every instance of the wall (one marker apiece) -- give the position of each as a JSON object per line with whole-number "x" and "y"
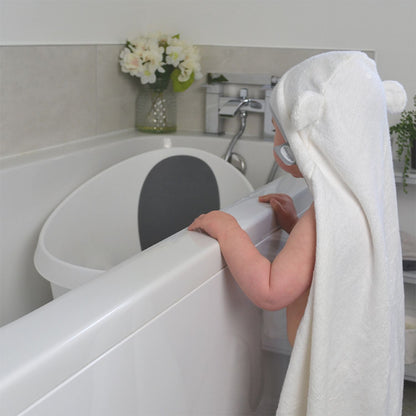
{"x": 57, "y": 94}
{"x": 68, "y": 90}
{"x": 386, "y": 26}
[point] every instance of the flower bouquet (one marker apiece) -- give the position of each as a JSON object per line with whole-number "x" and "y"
{"x": 165, "y": 65}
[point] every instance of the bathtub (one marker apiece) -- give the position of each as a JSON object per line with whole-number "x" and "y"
{"x": 166, "y": 331}
{"x": 33, "y": 184}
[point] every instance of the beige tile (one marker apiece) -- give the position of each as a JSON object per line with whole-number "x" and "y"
{"x": 116, "y": 92}
{"x": 191, "y": 108}
{"x": 48, "y": 95}
{"x": 241, "y": 59}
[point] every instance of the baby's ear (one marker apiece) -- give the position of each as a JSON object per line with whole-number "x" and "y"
{"x": 307, "y": 109}
{"x": 396, "y": 97}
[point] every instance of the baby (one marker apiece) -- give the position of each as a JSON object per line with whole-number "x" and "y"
{"x": 346, "y": 323}
{"x": 285, "y": 282}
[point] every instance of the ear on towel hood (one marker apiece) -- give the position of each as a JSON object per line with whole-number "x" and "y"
{"x": 309, "y": 106}
{"x": 332, "y": 104}
{"x": 396, "y": 98}
{"x": 305, "y": 99}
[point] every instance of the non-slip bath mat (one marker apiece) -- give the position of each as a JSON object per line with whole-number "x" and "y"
{"x": 176, "y": 191}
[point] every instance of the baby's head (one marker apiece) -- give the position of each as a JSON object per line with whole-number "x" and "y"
{"x": 330, "y": 109}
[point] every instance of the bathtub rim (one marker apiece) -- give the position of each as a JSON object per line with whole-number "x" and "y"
{"x": 108, "y": 139}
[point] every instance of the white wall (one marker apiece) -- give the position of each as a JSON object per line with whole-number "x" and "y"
{"x": 385, "y": 26}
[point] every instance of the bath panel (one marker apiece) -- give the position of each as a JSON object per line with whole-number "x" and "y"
{"x": 200, "y": 356}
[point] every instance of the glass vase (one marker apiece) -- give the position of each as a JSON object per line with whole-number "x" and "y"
{"x": 156, "y": 108}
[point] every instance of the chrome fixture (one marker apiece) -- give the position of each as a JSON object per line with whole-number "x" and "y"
{"x": 231, "y": 107}
{"x": 219, "y": 107}
{"x": 238, "y": 162}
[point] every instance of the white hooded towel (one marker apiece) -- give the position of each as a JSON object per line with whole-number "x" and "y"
{"x": 348, "y": 355}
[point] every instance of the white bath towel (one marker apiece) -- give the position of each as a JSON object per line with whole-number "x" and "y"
{"x": 348, "y": 356}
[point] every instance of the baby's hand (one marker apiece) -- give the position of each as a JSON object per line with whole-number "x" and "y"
{"x": 216, "y": 224}
{"x": 283, "y": 208}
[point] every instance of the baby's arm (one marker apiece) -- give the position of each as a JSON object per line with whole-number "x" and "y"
{"x": 270, "y": 286}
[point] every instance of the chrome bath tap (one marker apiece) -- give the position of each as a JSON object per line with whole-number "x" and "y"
{"x": 230, "y": 109}
{"x": 233, "y": 106}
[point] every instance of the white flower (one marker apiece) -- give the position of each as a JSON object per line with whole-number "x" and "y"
{"x": 162, "y": 37}
{"x": 148, "y": 76}
{"x": 185, "y": 74}
{"x": 130, "y": 62}
{"x": 154, "y": 57}
{"x": 188, "y": 66}
{"x": 198, "y": 74}
{"x": 174, "y": 55}
{"x": 146, "y": 56}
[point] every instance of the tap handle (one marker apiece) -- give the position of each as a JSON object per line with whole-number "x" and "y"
{"x": 243, "y": 93}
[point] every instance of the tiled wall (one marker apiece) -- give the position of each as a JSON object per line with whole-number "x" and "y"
{"x": 50, "y": 95}
{"x": 55, "y": 94}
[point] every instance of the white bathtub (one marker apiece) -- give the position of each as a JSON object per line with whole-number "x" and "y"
{"x": 164, "y": 332}
{"x": 33, "y": 184}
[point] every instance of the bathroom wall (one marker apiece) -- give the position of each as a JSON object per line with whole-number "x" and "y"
{"x": 53, "y": 94}
{"x": 386, "y": 26}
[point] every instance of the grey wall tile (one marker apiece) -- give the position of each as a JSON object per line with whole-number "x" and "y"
{"x": 116, "y": 92}
{"x": 48, "y": 96}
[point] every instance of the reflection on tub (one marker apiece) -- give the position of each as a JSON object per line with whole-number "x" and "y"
{"x": 129, "y": 207}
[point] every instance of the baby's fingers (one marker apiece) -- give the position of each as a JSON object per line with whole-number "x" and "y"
{"x": 196, "y": 224}
{"x": 276, "y": 205}
{"x": 269, "y": 197}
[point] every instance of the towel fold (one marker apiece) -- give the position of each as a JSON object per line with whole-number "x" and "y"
{"x": 348, "y": 354}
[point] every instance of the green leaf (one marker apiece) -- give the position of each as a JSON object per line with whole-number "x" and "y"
{"x": 129, "y": 46}
{"x": 179, "y": 86}
{"x": 405, "y": 132}
{"x": 216, "y": 78}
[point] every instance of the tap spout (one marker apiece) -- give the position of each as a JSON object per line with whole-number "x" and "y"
{"x": 233, "y": 106}
{"x": 243, "y": 118}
